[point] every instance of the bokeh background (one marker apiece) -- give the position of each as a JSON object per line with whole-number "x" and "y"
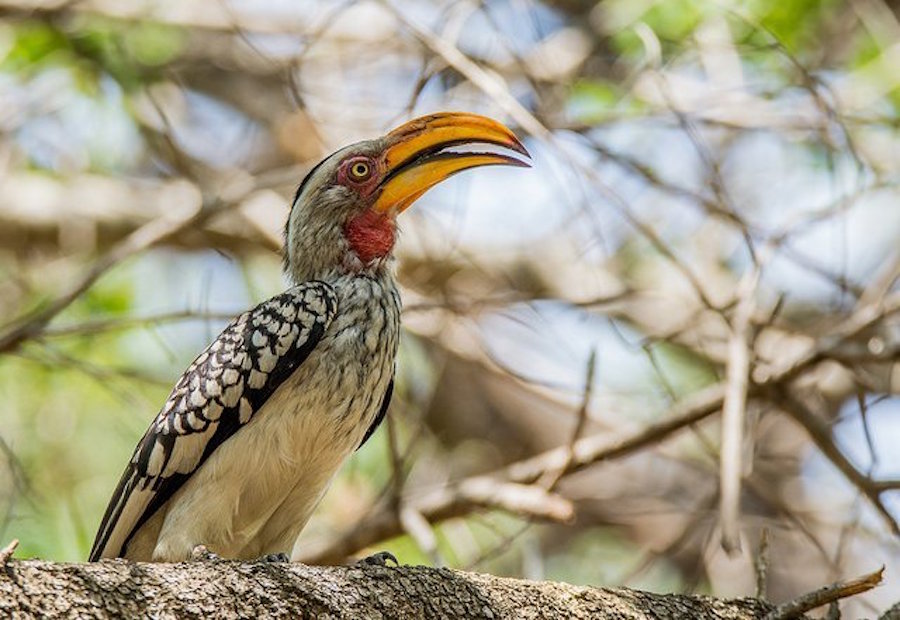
{"x": 711, "y": 222}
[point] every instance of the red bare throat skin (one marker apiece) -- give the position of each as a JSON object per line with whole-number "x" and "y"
{"x": 371, "y": 235}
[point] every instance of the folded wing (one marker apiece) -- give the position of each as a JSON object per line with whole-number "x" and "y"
{"x": 215, "y": 397}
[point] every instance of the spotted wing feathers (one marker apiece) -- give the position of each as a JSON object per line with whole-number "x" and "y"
{"x": 215, "y": 397}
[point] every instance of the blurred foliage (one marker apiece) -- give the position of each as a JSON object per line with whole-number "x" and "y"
{"x": 142, "y": 99}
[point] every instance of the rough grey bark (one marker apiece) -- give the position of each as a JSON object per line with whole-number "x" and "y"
{"x": 36, "y": 589}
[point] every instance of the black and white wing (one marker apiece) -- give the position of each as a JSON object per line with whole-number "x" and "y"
{"x": 215, "y": 397}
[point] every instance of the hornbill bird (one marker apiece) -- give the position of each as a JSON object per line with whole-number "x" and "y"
{"x": 250, "y": 437}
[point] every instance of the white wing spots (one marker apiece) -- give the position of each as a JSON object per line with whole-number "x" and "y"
{"x": 287, "y": 335}
{"x": 197, "y": 397}
{"x": 232, "y": 394}
{"x": 213, "y": 411}
{"x": 156, "y": 460}
{"x": 240, "y": 359}
{"x": 267, "y": 360}
{"x": 195, "y": 422}
{"x": 289, "y": 312}
{"x": 230, "y": 376}
{"x": 259, "y": 339}
{"x": 314, "y": 303}
{"x": 175, "y": 404}
{"x": 257, "y": 379}
{"x": 245, "y": 411}
{"x": 213, "y": 387}
{"x": 284, "y": 343}
{"x": 178, "y": 425}
{"x": 186, "y": 453}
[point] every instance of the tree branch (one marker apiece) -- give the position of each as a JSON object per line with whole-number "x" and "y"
{"x": 826, "y": 595}
{"x": 122, "y": 589}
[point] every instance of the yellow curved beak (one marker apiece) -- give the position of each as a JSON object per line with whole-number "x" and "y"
{"x": 416, "y": 158}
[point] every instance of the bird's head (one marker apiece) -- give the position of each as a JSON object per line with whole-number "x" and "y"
{"x": 343, "y": 218}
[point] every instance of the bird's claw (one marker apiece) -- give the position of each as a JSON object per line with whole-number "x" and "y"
{"x": 379, "y": 559}
{"x": 274, "y": 558}
{"x": 201, "y": 554}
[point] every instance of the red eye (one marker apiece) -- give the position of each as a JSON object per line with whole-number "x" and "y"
{"x": 360, "y": 170}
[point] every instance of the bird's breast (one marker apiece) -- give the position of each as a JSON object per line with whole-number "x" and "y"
{"x": 336, "y": 394}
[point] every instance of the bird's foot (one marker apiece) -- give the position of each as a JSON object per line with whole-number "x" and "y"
{"x": 274, "y": 558}
{"x": 378, "y": 559}
{"x": 201, "y": 554}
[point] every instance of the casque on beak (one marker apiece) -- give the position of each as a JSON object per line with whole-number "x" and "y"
{"x": 415, "y": 159}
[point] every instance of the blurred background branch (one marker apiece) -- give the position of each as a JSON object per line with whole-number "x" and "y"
{"x": 711, "y": 225}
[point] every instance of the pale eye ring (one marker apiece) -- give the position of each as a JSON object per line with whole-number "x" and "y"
{"x": 360, "y": 170}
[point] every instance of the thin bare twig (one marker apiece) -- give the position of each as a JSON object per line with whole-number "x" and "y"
{"x": 97, "y": 326}
{"x": 825, "y": 596}
{"x": 551, "y": 477}
{"x": 761, "y": 565}
{"x": 863, "y": 318}
{"x": 734, "y": 411}
{"x": 7, "y": 552}
{"x": 821, "y": 436}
